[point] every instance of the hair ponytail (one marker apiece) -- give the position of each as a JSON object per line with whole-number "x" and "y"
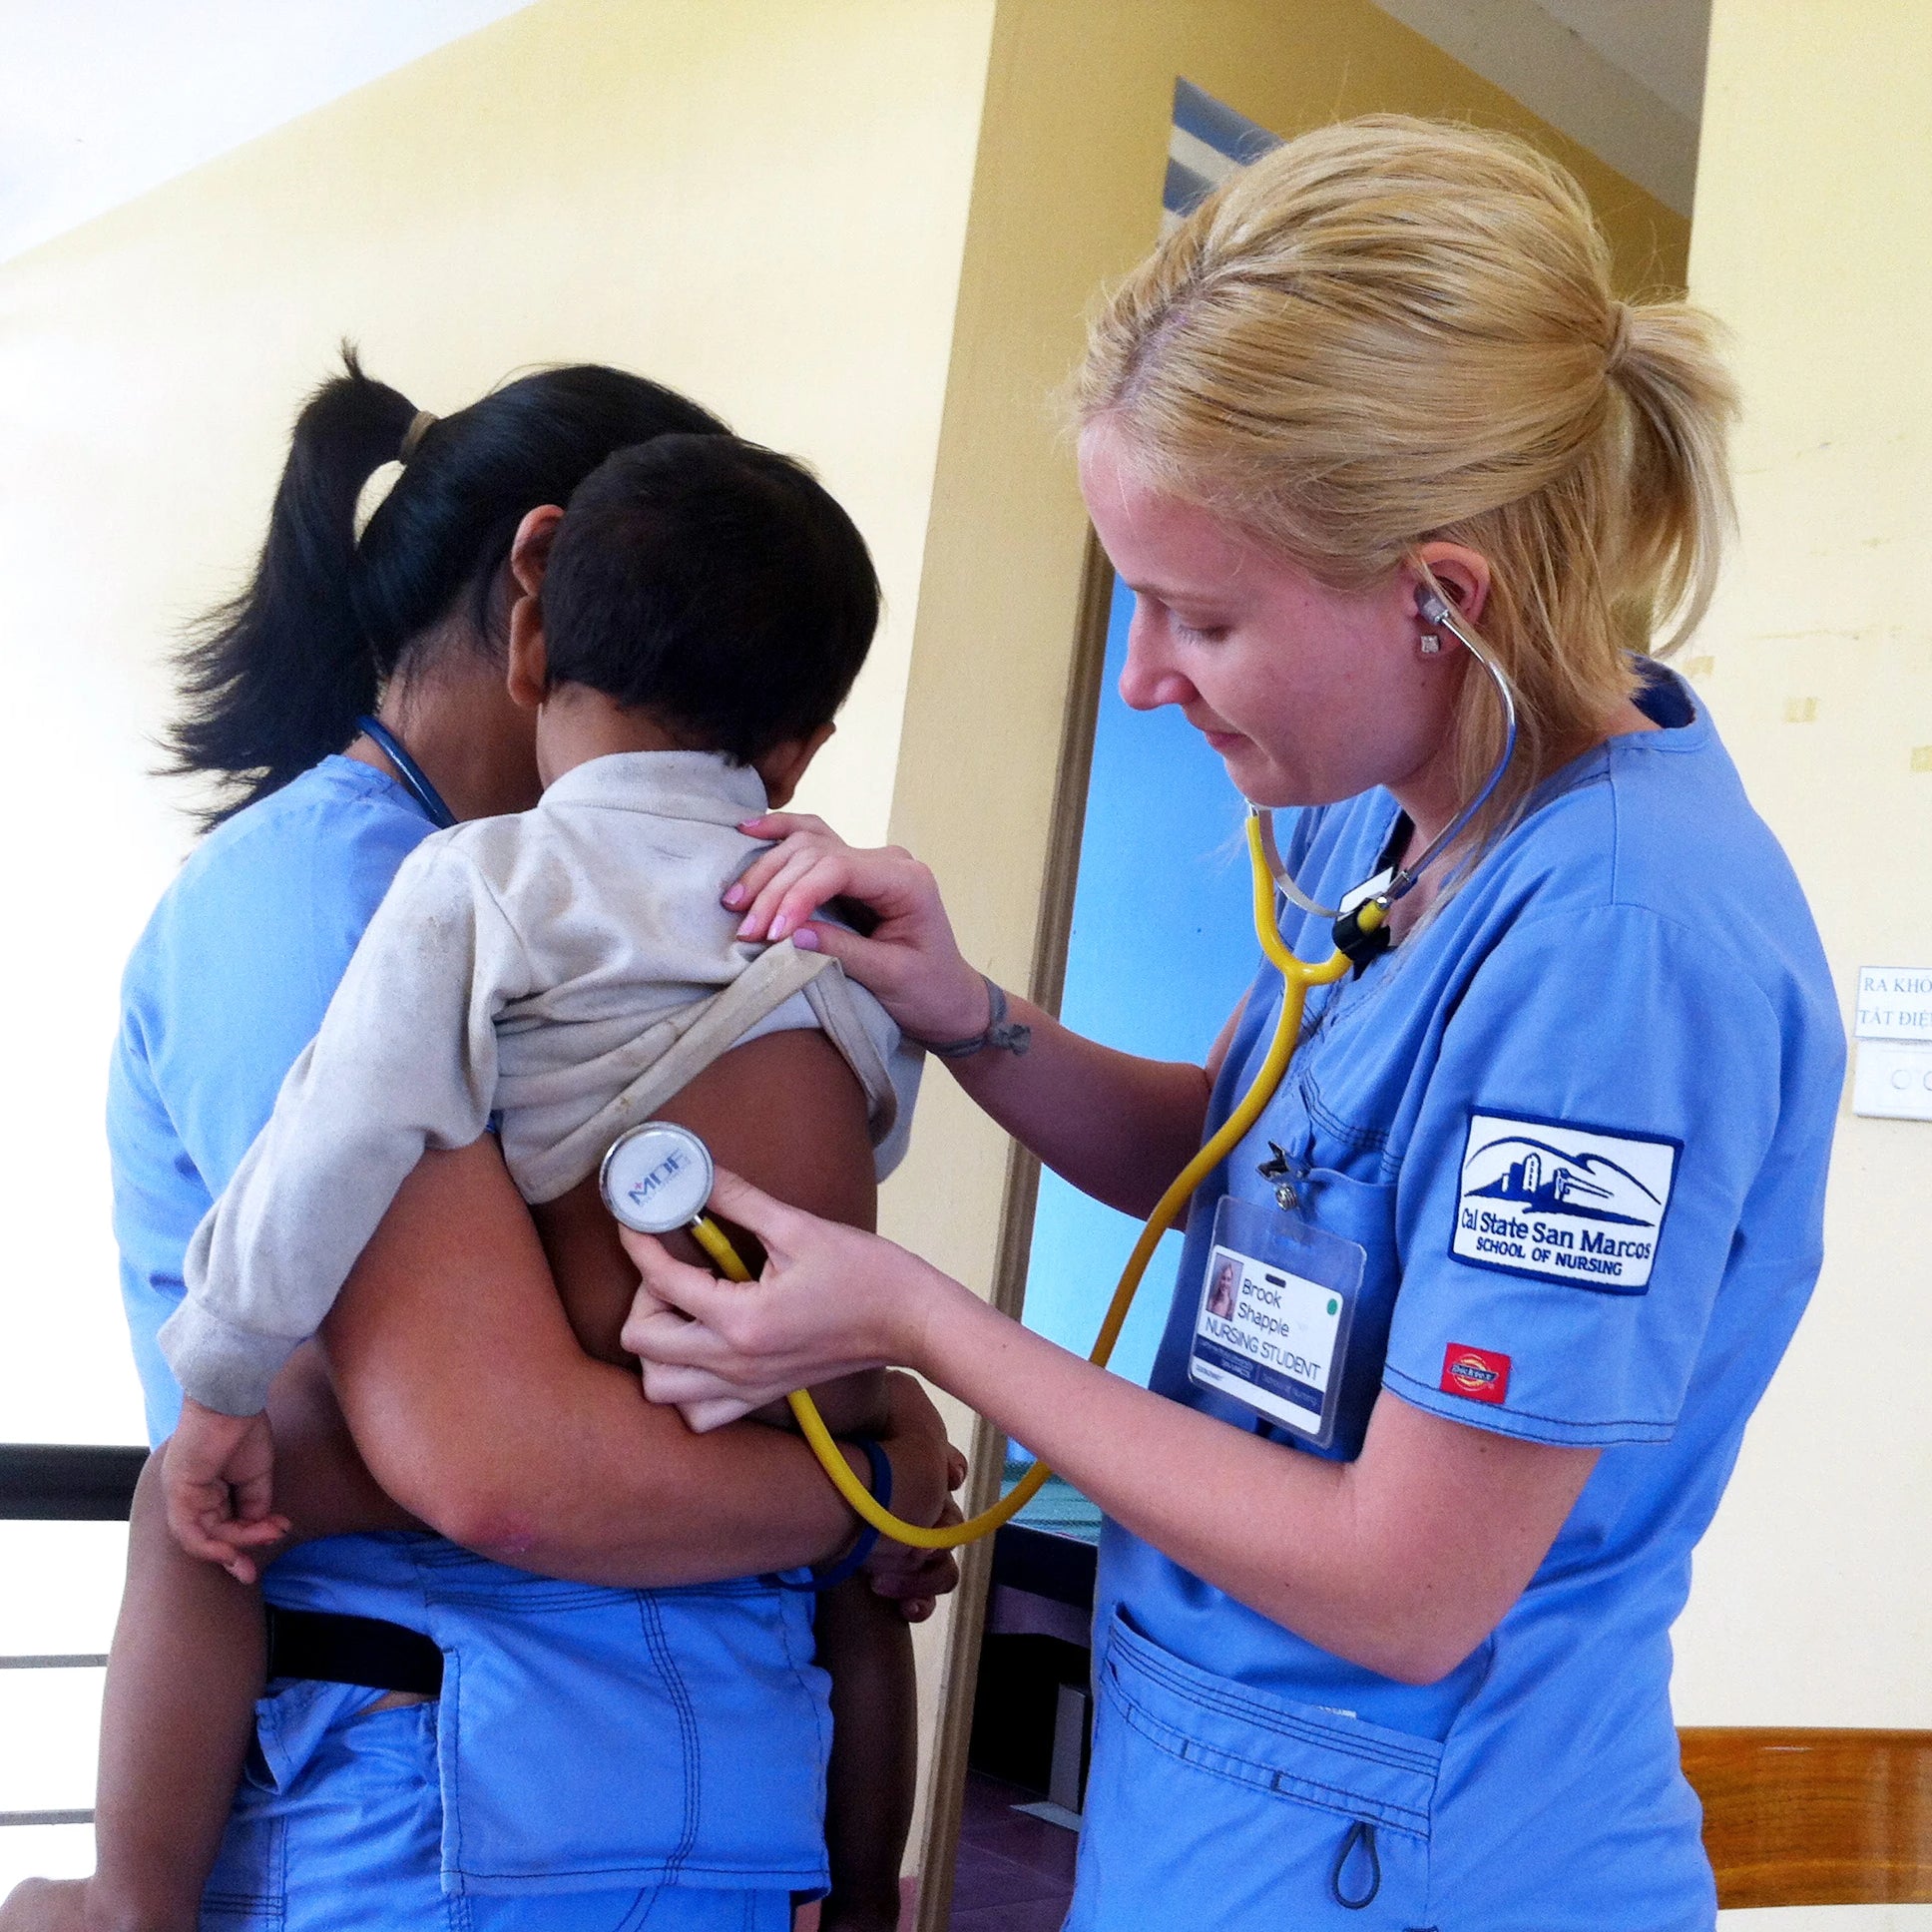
{"x": 283, "y": 669}
{"x": 275, "y": 679}
{"x": 1681, "y": 401}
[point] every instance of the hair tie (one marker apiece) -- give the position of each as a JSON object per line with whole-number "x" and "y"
{"x": 1617, "y": 350}
{"x": 419, "y": 424}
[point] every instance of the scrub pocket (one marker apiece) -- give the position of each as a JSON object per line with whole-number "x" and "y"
{"x": 331, "y": 1803}
{"x": 1214, "y": 1804}
{"x": 594, "y": 1737}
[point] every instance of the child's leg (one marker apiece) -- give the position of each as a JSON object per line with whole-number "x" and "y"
{"x": 867, "y": 1646}
{"x": 187, "y": 1666}
{"x": 175, "y": 1723}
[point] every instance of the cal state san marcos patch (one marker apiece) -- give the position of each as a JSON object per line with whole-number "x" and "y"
{"x": 1562, "y": 1201}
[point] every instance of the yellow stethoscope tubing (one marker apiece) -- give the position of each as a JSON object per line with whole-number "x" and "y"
{"x": 1296, "y": 977}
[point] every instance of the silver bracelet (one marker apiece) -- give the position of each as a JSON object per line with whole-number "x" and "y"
{"x": 1007, "y": 1036}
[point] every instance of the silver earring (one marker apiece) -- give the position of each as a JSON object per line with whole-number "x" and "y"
{"x": 1431, "y": 643}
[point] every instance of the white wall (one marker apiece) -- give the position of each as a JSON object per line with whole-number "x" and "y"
{"x": 1813, "y": 1596}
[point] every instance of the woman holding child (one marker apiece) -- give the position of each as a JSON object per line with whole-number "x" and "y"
{"x": 1375, "y": 397}
{"x": 595, "y": 1703}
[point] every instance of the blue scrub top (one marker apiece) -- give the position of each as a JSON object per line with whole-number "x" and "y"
{"x": 587, "y": 1739}
{"x": 1580, "y": 1121}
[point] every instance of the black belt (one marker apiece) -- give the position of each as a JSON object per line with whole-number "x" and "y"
{"x": 333, "y": 1649}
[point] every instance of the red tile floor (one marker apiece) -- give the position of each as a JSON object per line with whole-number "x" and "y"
{"x": 1015, "y": 1874}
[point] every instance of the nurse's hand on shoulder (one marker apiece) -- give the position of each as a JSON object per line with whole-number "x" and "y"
{"x": 909, "y": 961}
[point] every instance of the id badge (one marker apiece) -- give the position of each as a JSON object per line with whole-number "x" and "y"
{"x": 1271, "y": 1329}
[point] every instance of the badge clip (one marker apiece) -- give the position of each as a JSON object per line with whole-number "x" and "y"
{"x": 1281, "y": 1173}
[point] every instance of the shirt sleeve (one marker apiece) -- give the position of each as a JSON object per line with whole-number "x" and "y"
{"x": 889, "y": 1103}
{"x": 1605, "y": 1095}
{"x": 405, "y": 1060}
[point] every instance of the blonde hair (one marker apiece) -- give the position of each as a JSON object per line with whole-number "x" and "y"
{"x": 1390, "y": 330}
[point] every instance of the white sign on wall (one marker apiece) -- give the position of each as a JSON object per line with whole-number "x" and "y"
{"x": 1894, "y": 1033}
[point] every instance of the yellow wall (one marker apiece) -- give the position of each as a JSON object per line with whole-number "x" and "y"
{"x": 762, "y": 201}
{"x": 1065, "y": 196}
{"x": 1812, "y": 1590}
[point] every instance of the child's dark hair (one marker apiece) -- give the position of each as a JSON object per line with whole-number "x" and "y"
{"x": 276, "y": 680}
{"x": 713, "y": 584}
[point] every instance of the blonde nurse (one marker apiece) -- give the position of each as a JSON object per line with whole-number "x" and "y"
{"x": 1566, "y": 1135}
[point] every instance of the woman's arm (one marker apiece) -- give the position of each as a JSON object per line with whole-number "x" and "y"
{"x": 1402, "y": 1561}
{"x": 477, "y": 1410}
{"x": 1117, "y": 1126}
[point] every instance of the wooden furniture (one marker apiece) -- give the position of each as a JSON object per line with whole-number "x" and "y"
{"x": 1815, "y": 1817}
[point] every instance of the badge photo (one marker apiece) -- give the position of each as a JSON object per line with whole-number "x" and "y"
{"x": 1560, "y": 1200}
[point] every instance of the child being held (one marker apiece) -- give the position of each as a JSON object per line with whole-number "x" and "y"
{"x": 559, "y": 975}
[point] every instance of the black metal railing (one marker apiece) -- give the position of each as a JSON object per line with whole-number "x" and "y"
{"x": 59, "y": 1481}
{"x": 67, "y": 1482}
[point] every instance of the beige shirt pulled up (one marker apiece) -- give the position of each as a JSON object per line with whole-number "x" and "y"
{"x": 566, "y": 970}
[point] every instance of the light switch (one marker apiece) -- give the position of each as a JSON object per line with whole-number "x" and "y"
{"x": 1894, "y": 1080}
{"x": 1894, "y": 1029}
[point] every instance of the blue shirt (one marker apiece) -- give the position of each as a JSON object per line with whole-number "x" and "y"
{"x": 587, "y": 1738}
{"x": 1578, "y": 1119}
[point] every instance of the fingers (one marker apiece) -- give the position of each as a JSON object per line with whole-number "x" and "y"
{"x": 767, "y": 886}
{"x": 713, "y": 1412}
{"x": 255, "y": 1536}
{"x": 670, "y": 1288}
{"x": 784, "y": 824}
{"x": 914, "y": 1579}
{"x": 778, "y": 1227}
{"x": 672, "y": 1340}
{"x": 805, "y": 880}
{"x": 252, "y": 1496}
{"x": 937, "y": 1577}
{"x": 200, "y": 1523}
{"x": 780, "y": 828}
{"x": 193, "y": 1539}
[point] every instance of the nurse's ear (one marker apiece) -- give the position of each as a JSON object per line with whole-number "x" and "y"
{"x": 1463, "y": 574}
{"x": 527, "y": 671}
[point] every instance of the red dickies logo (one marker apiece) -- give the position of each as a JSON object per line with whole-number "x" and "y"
{"x": 1474, "y": 1373}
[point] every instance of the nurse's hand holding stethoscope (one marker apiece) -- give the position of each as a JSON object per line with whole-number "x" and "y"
{"x": 831, "y": 1301}
{"x": 910, "y": 961}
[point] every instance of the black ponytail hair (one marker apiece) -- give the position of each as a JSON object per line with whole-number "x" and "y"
{"x": 275, "y": 679}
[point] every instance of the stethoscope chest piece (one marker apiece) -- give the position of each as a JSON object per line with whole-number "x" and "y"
{"x": 657, "y": 1177}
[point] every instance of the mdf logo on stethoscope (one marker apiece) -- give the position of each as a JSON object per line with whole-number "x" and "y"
{"x": 1562, "y": 1201}
{"x": 657, "y": 1176}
